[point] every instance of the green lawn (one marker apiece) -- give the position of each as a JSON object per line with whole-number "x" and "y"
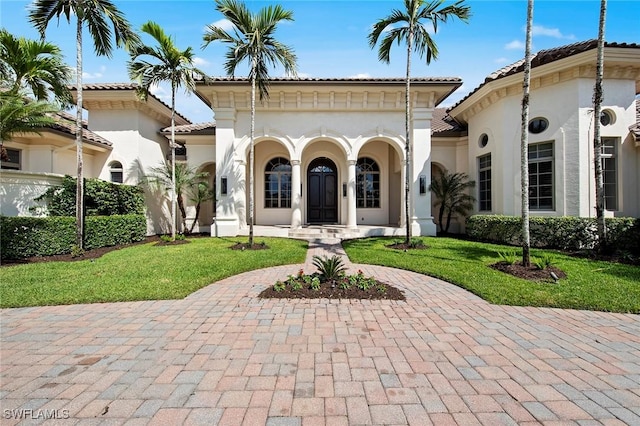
{"x": 589, "y": 284}
{"x": 142, "y": 272}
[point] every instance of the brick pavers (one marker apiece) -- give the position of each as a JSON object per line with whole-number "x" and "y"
{"x": 224, "y": 356}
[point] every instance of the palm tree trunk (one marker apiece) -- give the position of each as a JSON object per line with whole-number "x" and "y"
{"x": 195, "y": 219}
{"x": 173, "y": 160}
{"x": 183, "y": 213}
{"x": 597, "y": 141}
{"x": 80, "y": 174}
{"x": 407, "y": 148}
{"x": 524, "y": 142}
{"x": 252, "y": 146}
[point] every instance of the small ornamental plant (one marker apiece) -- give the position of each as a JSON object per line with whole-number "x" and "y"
{"x": 331, "y": 281}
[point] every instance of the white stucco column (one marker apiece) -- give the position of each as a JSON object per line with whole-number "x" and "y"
{"x": 296, "y": 195}
{"x": 352, "y": 219}
{"x": 230, "y": 177}
{"x": 421, "y": 220}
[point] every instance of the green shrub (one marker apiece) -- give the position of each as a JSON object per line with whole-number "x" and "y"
{"x": 508, "y": 256}
{"x": 101, "y": 198}
{"x": 331, "y": 268}
{"x": 543, "y": 262}
{"x": 22, "y": 237}
{"x": 565, "y": 233}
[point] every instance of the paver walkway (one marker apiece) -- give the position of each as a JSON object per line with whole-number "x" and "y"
{"x": 223, "y": 356}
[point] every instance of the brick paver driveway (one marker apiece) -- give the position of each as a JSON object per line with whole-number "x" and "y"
{"x": 223, "y": 356}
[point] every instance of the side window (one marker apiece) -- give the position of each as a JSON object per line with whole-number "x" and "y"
{"x": 277, "y": 183}
{"x": 13, "y": 160}
{"x": 484, "y": 180}
{"x": 367, "y": 183}
{"x": 117, "y": 174}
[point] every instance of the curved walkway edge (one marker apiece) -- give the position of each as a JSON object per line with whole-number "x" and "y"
{"x": 224, "y": 356}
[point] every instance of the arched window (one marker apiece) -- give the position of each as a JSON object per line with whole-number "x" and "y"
{"x": 367, "y": 183}
{"x": 117, "y": 175}
{"x": 277, "y": 183}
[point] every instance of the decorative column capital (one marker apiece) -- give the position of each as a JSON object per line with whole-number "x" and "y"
{"x": 352, "y": 162}
{"x": 295, "y": 162}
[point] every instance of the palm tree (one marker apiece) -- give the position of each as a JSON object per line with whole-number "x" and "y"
{"x": 201, "y": 192}
{"x": 19, "y": 115}
{"x": 406, "y": 25}
{"x": 524, "y": 142}
{"x": 150, "y": 66}
{"x": 36, "y": 65}
{"x": 182, "y": 179}
{"x": 96, "y": 14}
{"x": 450, "y": 192}
{"x": 253, "y": 40}
{"x": 597, "y": 140}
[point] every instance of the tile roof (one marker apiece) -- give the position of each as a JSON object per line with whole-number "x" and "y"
{"x": 207, "y": 128}
{"x": 339, "y": 80}
{"x": 65, "y": 123}
{"x": 443, "y": 124}
{"x": 545, "y": 57}
{"x": 125, "y": 86}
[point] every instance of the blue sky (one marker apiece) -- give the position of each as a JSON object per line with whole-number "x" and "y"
{"x": 330, "y": 37}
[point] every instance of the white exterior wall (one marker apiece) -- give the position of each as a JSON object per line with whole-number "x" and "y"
{"x": 138, "y": 146}
{"x": 18, "y": 189}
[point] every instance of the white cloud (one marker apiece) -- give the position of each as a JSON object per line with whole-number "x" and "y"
{"x": 361, "y": 75}
{"x": 501, "y": 60}
{"x": 225, "y": 24}
{"x": 513, "y": 45}
{"x": 539, "y": 30}
{"x": 200, "y": 62}
{"x": 92, "y": 75}
{"x": 159, "y": 92}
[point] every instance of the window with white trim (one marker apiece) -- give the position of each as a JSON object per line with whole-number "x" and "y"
{"x": 367, "y": 183}
{"x": 14, "y": 160}
{"x": 541, "y": 176}
{"x": 116, "y": 172}
{"x": 484, "y": 183}
{"x": 277, "y": 183}
{"x": 609, "y": 160}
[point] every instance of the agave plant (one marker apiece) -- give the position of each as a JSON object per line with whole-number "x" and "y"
{"x": 330, "y": 268}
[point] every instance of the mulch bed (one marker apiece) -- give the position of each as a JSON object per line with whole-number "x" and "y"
{"x": 326, "y": 291}
{"x": 531, "y": 273}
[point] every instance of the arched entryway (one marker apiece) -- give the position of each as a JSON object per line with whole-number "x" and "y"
{"x": 322, "y": 191}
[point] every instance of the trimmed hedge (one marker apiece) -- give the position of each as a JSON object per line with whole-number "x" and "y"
{"x": 565, "y": 233}
{"x": 101, "y": 198}
{"x": 22, "y": 237}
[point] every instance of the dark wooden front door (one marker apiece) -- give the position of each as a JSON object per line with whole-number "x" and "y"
{"x": 322, "y": 191}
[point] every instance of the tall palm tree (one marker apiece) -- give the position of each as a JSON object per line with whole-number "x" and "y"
{"x": 96, "y": 14}
{"x": 524, "y": 141}
{"x": 36, "y": 65}
{"x": 253, "y": 39}
{"x": 597, "y": 140}
{"x": 407, "y": 25}
{"x": 150, "y": 66}
{"x": 449, "y": 190}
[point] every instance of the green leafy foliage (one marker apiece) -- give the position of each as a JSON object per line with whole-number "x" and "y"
{"x": 331, "y": 268}
{"x": 45, "y": 236}
{"x": 508, "y": 256}
{"x": 544, "y": 261}
{"x": 101, "y": 198}
{"x": 565, "y": 233}
{"x": 279, "y": 286}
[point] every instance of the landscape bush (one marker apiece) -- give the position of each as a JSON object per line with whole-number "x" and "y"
{"x": 564, "y": 233}
{"x": 101, "y": 198}
{"x": 22, "y": 237}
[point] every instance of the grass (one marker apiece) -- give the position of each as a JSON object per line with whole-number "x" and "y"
{"x": 591, "y": 285}
{"x": 142, "y": 272}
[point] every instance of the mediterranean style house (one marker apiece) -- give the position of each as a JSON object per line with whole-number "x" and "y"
{"x": 332, "y": 151}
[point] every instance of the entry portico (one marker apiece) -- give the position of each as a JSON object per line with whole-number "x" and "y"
{"x": 327, "y": 151}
